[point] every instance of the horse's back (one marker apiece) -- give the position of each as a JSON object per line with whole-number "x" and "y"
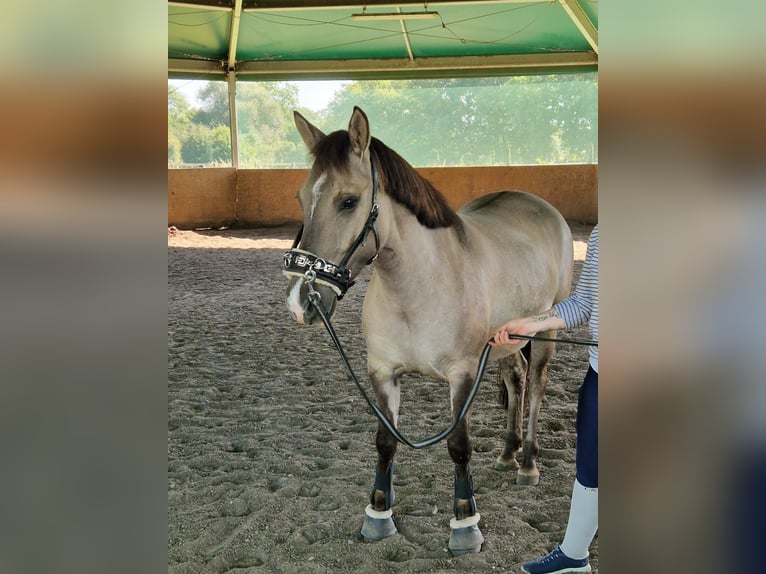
{"x": 519, "y": 206}
{"x": 521, "y": 229}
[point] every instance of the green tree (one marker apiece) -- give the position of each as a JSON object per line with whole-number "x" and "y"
{"x": 214, "y": 109}
{"x": 262, "y": 115}
{"x": 478, "y": 121}
{"x": 206, "y": 145}
{"x": 179, "y": 122}
{"x": 457, "y": 121}
{"x": 174, "y": 150}
{"x": 577, "y": 121}
{"x": 199, "y": 135}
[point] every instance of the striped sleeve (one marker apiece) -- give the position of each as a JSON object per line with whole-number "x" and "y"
{"x": 582, "y": 305}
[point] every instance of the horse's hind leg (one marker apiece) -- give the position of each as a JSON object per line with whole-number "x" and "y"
{"x": 513, "y": 372}
{"x": 378, "y": 522}
{"x": 465, "y": 536}
{"x": 537, "y": 380}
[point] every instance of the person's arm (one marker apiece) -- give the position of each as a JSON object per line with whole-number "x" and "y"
{"x": 546, "y": 321}
{"x": 573, "y": 311}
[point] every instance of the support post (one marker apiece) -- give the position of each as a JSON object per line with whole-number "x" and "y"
{"x": 231, "y": 78}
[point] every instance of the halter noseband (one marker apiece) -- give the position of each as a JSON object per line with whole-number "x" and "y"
{"x": 313, "y": 268}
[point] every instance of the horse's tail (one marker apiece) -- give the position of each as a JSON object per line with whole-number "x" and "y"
{"x": 502, "y": 392}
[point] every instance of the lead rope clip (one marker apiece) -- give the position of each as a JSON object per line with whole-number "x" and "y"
{"x": 309, "y": 277}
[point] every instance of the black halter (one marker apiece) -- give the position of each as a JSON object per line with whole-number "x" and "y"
{"x": 313, "y": 268}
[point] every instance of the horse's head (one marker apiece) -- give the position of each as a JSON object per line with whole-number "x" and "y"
{"x": 339, "y": 209}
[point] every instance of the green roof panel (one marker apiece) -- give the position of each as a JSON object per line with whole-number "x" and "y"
{"x": 195, "y": 33}
{"x": 316, "y": 35}
{"x": 493, "y": 29}
{"x": 532, "y": 35}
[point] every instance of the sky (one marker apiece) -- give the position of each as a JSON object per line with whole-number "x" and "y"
{"x": 314, "y": 95}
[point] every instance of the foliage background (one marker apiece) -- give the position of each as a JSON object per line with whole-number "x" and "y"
{"x": 450, "y": 122}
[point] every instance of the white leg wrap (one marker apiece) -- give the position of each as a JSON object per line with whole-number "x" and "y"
{"x": 372, "y": 513}
{"x": 465, "y": 522}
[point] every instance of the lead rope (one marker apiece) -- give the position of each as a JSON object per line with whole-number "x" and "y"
{"x": 315, "y": 298}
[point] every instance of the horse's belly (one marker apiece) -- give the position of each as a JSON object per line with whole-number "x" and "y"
{"x": 390, "y": 355}
{"x": 417, "y": 355}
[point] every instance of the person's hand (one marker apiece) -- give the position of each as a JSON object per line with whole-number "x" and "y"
{"x": 504, "y": 335}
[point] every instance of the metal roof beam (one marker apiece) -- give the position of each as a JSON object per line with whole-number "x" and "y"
{"x": 234, "y": 33}
{"x": 406, "y": 36}
{"x": 351, "y": 69}
{"x": 433, "y": 67}
{"x": 279, "y": 6}
{"x": 581, "y": 20}
{"x": 197, "y": 6}
{"x": 200, "y": 67}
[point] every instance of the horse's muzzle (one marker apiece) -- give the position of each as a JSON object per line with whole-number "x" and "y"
{"x": 300, "y": 306}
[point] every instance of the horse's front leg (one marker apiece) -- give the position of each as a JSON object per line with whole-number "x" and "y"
{"x": 465, "y": 536}
{"x": 378, "y": 522}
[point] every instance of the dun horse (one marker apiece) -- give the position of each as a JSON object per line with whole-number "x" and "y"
{"x": 443, "y": 281}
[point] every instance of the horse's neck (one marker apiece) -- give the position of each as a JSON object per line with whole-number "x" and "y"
{"x": 414, "y": 254}
{"x": 420, "y": 274}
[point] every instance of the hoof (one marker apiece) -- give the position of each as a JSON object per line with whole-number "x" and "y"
{"x": 505, "y": 465}
{"x": 377, "y": 525}
{"x": 466, "y": 538}
{"x": 528, "y": 478}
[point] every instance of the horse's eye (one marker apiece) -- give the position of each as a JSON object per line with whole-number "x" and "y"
{"x": 349, "y": 203}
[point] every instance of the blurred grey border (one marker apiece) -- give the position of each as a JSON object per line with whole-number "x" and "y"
{"x": 83, "y": 259}
{"x": 682, "y": 212}
{"x": 84, "y": 278}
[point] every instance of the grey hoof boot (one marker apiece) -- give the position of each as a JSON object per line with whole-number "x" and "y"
{"x": 505, "y": 465}
{"x": 466, "y": 538}
{"x": 528, "y": 477}
{"x": 377, "y": 525}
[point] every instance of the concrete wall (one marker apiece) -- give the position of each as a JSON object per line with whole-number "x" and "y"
{"x": 219, "y": 197}
{"x": 267, "y": 196}
{"x": 572, "y": 189}
{"x": 202, "y": 197}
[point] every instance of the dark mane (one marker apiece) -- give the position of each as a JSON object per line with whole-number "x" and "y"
{"x": 412, "y": 190}
{"x": 400, "y": 180}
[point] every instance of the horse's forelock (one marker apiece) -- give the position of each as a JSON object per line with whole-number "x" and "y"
{"x": 332, "y": 151}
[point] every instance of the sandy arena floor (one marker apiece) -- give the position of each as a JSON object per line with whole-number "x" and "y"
{"x": 271, "y": 449}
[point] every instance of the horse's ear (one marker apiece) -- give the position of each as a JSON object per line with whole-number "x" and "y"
{"x": 309, "y": 132}
{"x": 359, "y": 131}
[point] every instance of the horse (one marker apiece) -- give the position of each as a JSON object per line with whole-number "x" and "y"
{"x": 443, "y": 281}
